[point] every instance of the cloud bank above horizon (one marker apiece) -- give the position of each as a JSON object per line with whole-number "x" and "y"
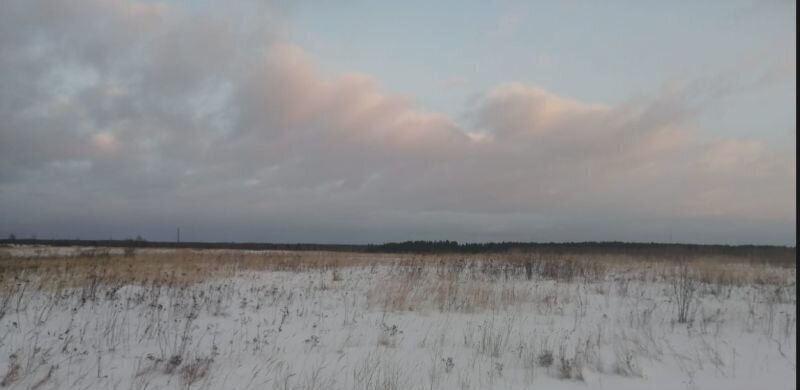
{"x": 124, "y": 118}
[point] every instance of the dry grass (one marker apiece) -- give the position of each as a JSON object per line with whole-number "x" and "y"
{"x": 174, "y": 267}
{"x": 186, "y": 266}
{"x": 557, "y": 316}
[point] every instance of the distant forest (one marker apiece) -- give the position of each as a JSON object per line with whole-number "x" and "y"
{"x": 772, "y": 254}
{"x": 779, "y": 254}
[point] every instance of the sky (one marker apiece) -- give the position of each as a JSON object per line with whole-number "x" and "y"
{"x": 361, "y": 121}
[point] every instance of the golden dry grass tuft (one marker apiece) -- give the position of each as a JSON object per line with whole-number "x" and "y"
{"x": 187, "y": 266}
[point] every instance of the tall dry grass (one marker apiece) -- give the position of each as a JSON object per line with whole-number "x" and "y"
{"x": 86, "y": 266}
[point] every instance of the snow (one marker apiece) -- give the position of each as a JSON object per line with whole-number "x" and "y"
{"x": 390, "y": 326}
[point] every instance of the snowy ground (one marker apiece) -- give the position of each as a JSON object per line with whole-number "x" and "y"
{"x": 280, "y": 320}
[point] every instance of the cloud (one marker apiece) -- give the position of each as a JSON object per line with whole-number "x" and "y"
{"x": 134, "y": 115}
{"x": 105, "y": 142}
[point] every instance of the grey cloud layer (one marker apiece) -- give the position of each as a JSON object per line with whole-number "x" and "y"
{"x": 115, "y": 113}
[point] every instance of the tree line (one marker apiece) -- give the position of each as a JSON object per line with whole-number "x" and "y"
{"x": 765, "y": 253}
{"x": 777, "y": 254}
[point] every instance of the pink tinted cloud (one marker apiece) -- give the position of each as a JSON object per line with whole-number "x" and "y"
{"x": 281, "y": 139}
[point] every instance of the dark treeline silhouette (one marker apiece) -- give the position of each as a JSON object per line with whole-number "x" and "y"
{"x": 430, "y": 247}
{"x": 777, "y": 254}
{"x": 765, "y": 253}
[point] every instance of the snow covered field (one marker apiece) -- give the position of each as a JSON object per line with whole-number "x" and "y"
{"x": 85, "y": 318}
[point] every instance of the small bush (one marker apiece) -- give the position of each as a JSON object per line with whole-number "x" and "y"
{"x": 545, "y": 359}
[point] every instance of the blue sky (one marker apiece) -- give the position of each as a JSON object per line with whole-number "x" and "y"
{"x": 365, "y": 121}
{"x": 446, "y": 53}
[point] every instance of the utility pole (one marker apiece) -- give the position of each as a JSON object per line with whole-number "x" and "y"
{"x": 179, "y": 235}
